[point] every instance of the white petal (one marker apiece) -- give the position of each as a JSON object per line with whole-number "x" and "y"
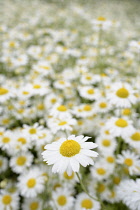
{"x": 74, "y": 164}
{"x": 89, "y": 153}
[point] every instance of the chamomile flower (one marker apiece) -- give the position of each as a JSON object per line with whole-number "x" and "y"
{"x": 60, "y": 111}
{"x": 56, "y": 124}
{"x": 32, "y": 204}
{"x": 43, "y": 67}
{"x": 21, "y": 161}
{"x": 33, "y": 132}
{"x": 119, "y": 127}
{"x": 52, "y": 99}
{"x": 84, "y": 202}
{"x": 8, "y": 201}
{"x": 89, "y": 92}
{"x": 129, "y": 192}
{"x": 84, "y": 110}
{"x": 68, "y": 153}
{"x": 134, "y": 139}
{"x": 129, "y": 160}
{"x": 5, "y": 93}
{"x": 101, "y": 170}
{"x": 122, "y": 95}
{"x": 6, "y": 140}
{"x": 106, "y": 144}
{"x": 31, "y": 183}
{"x": 62, "y": 198}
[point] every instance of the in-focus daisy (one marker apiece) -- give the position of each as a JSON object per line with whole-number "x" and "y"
{"x": 84, "y": 202}
{"x": 68, "y": 153}
{"x": 122, "y": 95}
{"x": 130, "y": 160}
{"x": 62, "y": 199}
{"x": 31, "y": 183}
{"x": 119, "y": 127}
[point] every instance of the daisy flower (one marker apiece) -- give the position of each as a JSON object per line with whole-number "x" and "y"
{"x": 84, "y": 110}
{"x": 21, "y": 161}
{"x": 32, "y": 132}
{"x": 101, "y": 170}
{"x": 32, "y": 204}
{"x": 122, "y": 95}
{"x": 31, "y": 183}
{"x": 119, "y": 127}
{"x": 43, "y": 67}
{"x": 134, "y": 139}
{"x": 8, "y": 201}
{"x": 56, "y": 124}
{"x": 68, "y": 153}
{"x": 129, "y": 192}
{"x": 130, "y": 160}
{"x": 52, "y": 99}
{"x": 5, "y": 93}
{"x": 83, "y": 202}
{"x": 89, "y": 92}
{"x": 6, "y": 140}
{"x": 106, "y": 144}
{"x": 62, "y": 199}
{"x": 60, "y": 111}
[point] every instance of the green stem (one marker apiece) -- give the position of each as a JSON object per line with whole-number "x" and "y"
{"x": 85, "y": 190}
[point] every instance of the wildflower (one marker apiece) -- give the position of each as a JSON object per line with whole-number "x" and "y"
{"x": 68, "y": 153}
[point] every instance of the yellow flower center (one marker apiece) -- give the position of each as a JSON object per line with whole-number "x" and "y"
{"x": 128, "y": 162}
{"x": 7, "y": 199}
{"x": 112, "y": 195}
{"x": 61, "y": 108}
{"x": 103, "y": 105}
{"x": 37, "y": 86}
{"x": 122, "y": 93}
{"x": 45, "y": 67}
{"x": 87, "y": 204}
{"x": 12, "y": 44}
{"x": 69, "y": 148}
{"x": 101, "y": 188}
{"x": 62, "y": 200}
{"x": 101, "y": 171}
{"x": 25, "y": 92}
{"x": 21, "y": 160}
{"x": 101, "y": 18}
{"x": 32, "y": 131}
{"x": 107, "y": 132}
{"x": 88, "y": 77}
{"x": 6, "y": 140}
{"x": 31, "y": 183}
{"x": 34, "y": 206}
{"x": 136, "y": 136}
{"x": 68, "y": 177}
{"x": 53, "y": 100}
{"x": 40, "y": 106}
{"x": 121, "y": 123}
{"x": 61, "y": 82}
{"x": 90, "y": 91}
{"x": 110, "y": 159}
{"x": 106, "y": 143}
{"x": 62, "y": 123}
{"x": 126, "y": 112}
{"x": 87, "y": 108}
{"x": 116, "y": 180}
{"x": 5, "y": 121}
{"x": 3, "y": 91}
{"x": 22, "y": 140}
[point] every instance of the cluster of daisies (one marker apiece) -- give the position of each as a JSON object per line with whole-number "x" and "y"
{"x": 69, "y": 110}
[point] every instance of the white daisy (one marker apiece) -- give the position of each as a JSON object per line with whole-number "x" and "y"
{"x": 33, "y": 132}
{"x": 122, "y": 95}
{"x": 106, "y": 144}
{"x": 8, "y": 201}
{"x": 3, "y": 164}
{"x": 21, "y": 161}
{"x": 60, "y": 111}
{"x": 119, "y": 127}
{"x": 68, "y": 153}
{"x": 31, "y": 183}
{"x": 32, "y": 204}
{"x": 83, "y": 202}
{"x": 62, "y": 199}
{"x": 129, "y": 160}
{"x": 134, "y": 139}
{"x": 89, "y": 92}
